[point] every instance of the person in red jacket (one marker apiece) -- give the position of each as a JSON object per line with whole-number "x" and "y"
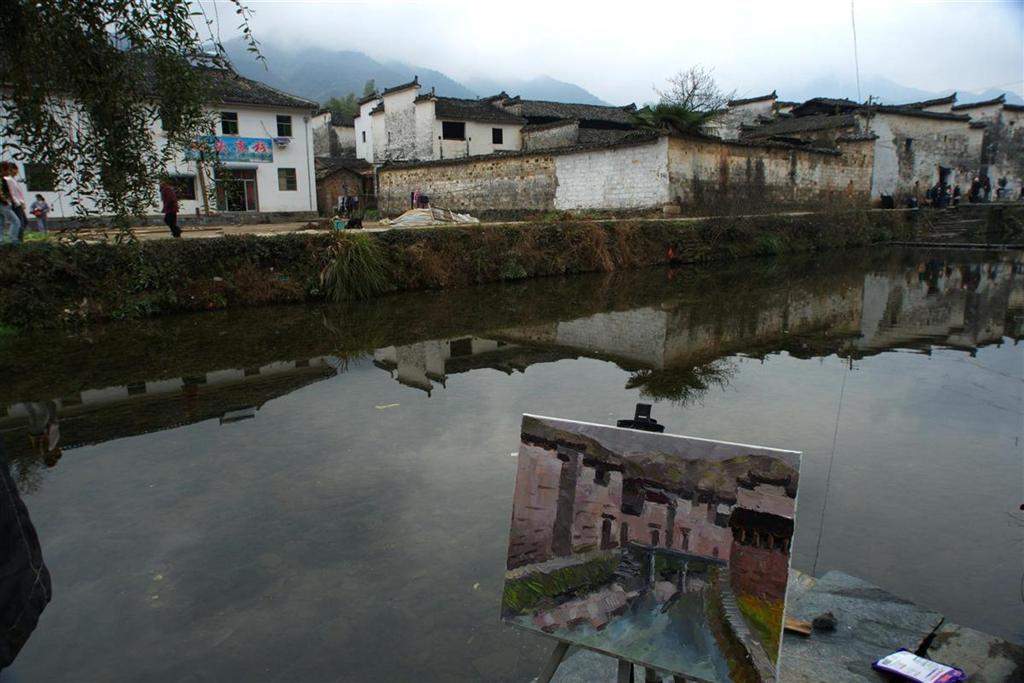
{"x": 170, "y": 201}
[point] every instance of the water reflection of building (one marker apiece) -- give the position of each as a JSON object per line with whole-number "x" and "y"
{"x": 961, "y": 305}
{"x": 97, "y": 415}
{"x": 423, "y": 364}
{"x": 934, "y": 302}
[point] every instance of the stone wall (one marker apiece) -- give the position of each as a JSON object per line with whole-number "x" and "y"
{"x": 703, "y": 175}
{"x": 513, "y": 183}
{"x": 626, "y": 177}
{"x": 713, "y": 175}
{"x": 910, "y": 149}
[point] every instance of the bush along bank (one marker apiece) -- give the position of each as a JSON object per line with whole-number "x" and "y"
{"x": 53, "y": 284}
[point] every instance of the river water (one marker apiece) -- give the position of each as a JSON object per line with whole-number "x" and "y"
{"x": 323, "y": 493}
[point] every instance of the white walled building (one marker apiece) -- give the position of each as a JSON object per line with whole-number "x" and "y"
{"x": 264, "y": 138}
{"x": 404, "y": 124}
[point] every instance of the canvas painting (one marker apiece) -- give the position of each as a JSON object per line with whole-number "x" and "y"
{"x": 667, "y": 551}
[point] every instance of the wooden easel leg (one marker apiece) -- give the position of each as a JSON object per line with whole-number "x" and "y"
{"x": 625, "y": 672}
{"x": 557, "y": 655}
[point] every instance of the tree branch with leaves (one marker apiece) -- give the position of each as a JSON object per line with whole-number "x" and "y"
{"x": 107, "y": 93}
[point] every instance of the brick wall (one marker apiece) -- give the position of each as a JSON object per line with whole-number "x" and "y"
{"x": 759, "y": 571}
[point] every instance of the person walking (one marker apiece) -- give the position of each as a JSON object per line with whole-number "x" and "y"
{"x": 9, "y": 221}
{"x": 17, "y": 195}
{"x": 170, "y": 201}
{"x": 41, "y": 210}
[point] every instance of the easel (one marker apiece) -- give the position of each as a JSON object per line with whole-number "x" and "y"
{"x": 642, "y": 420}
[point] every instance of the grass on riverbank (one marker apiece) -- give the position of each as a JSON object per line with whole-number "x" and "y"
{"x": 47, "y": 284}
{"x": 540, "y": 590}
{"x": 765, "y": 617}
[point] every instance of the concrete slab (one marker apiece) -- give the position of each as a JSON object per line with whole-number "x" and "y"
{"x": 985, "y": 658}
{"x": 871, "y": 624}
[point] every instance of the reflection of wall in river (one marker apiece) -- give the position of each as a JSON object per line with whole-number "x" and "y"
{"x": 678, "y": 334}
{"x": 962, "y": 305}
{"x": 422, "y": 363}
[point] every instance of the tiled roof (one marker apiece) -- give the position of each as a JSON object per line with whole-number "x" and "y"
{"x": 948, "y": 99}
{"x": 367, "y": 98}
{"x": 748, "y": 100}
{"x": 987, "y": 103}
{"x": 414, "y": 83}
{"x": 1013, "y": 107}
{"x": 531, "y": 127}
{"x": 606, "y": 136}
{"x": 328, "y": 165}
{"x": 803, "y": 124}
{"x": 825, "y": 105}
{"x": 230, "y": 88}
{"x": 472, "y": 110}
{"x": 539, "y": 109}
{"x": 379, "y": 109}
{"x": 918, "y": 113}
{"x": 342, "y": 120}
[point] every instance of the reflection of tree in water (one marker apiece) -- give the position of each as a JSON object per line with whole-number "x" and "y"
{"x": 682, "y": 386}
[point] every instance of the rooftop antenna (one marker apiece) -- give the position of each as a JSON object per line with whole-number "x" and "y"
{"x": 856, "y": 57}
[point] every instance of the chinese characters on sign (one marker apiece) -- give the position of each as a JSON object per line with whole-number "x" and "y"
{"x": 233, "y": 148}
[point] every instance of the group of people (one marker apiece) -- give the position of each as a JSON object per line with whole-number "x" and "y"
{"x": 14, "y": 209}
{"x": 942, "y": 195}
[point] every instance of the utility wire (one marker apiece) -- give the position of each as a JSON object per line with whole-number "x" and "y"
{"x": 828, "y": 476}
{"x": 856, "y": 57}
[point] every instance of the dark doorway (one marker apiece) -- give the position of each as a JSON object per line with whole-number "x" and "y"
{"x": 655, "y": 537}
{"x": 606, "y": 534}
{"x": 623, "y": 534}
{"x": 236, "y": 190}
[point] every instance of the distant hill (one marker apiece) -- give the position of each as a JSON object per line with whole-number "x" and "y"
{"x": 540, "y": 88}
{"x": 888, "y": 92}
{"x": 319, "y": 74}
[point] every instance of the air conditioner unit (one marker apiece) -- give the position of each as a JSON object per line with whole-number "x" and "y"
{"x": 282, "y": 142}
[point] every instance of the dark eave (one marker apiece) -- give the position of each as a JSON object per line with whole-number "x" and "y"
{"x": 977, "y": 105}
{"x": 414, "y": 83}
{"x": 948, "y": 99}
{"x": 367, "y": 98}
{"x": 749, "y": 100}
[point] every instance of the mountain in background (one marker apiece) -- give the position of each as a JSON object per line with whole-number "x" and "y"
{"x": 540, "y": 88}
{"x": 320, "y": 74}
{"x": 885, "y": 91}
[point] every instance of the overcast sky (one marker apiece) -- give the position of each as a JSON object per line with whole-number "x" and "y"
{"x": 617, "y": 50}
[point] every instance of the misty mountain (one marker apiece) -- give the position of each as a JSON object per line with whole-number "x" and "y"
{"x": 884, "y": 90}
{"x": 319, "y": 74}
{"x": 540, "y": 88}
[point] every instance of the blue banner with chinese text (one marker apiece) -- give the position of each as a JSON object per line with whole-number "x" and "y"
{"x": 233, "y": 148}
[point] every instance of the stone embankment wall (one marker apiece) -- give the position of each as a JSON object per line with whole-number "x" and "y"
{"x": 701, "y": 175}
{"x": 54, "y": 283}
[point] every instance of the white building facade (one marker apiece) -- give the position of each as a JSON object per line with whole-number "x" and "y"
{"x": 264, "y": 139}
